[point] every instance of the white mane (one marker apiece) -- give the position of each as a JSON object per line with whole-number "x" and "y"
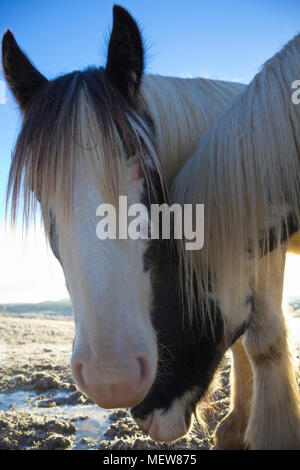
{"x": 246, "y": 171}
{"x": 183, "y": 109}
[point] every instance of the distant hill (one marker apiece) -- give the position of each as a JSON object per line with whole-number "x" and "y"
{"x": 62, "y": 307}
{"x": 294, "y": 303}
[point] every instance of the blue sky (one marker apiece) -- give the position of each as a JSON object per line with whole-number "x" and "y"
{"x": 215, "y": 39}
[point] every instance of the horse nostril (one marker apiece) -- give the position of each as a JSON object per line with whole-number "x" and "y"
{"x": 145, "y": 372}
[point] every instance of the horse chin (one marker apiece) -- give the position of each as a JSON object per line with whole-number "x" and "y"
{"x": 163, "y": 425}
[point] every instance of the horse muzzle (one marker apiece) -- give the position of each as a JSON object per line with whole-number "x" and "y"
{"x": 115, "y": 390}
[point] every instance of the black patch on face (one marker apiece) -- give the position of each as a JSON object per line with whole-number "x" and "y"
{"x": 188, "y": 355}
{"x": 153, "y": 193}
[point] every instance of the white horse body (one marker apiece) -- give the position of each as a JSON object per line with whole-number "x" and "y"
{"x": 246, "y": 170}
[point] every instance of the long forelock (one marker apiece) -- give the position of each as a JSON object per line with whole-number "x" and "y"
{"x": 76, "y": 117}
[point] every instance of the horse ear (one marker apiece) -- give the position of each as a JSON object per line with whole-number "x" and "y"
{"x": 21, "y": 76}
{"x": 125, "y": 61}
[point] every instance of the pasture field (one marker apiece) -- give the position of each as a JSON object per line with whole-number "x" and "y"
{"x": 41, "y": 407}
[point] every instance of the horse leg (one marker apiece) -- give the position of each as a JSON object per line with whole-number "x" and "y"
{"x": 274, "y": 421}
{"x": 230, "y": 433}
{"x": 236, "y": 304}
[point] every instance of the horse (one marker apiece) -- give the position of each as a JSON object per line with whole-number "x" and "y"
{"x": 246, "y": 171}
{"x": 87, "y": 137}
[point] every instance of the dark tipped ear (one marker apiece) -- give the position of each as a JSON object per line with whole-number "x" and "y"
{"x": 22, "y": 78}
{"x": 125, "y": 61}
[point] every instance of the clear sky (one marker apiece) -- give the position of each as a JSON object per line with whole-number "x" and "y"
{"x": 215, "y": 39}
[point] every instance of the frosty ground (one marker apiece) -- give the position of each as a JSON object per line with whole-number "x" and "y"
{"x": 41, "y": 407}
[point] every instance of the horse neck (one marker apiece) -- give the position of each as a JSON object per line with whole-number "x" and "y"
{"x": 246, "y": 170}
{"x": 182, "y": 110}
